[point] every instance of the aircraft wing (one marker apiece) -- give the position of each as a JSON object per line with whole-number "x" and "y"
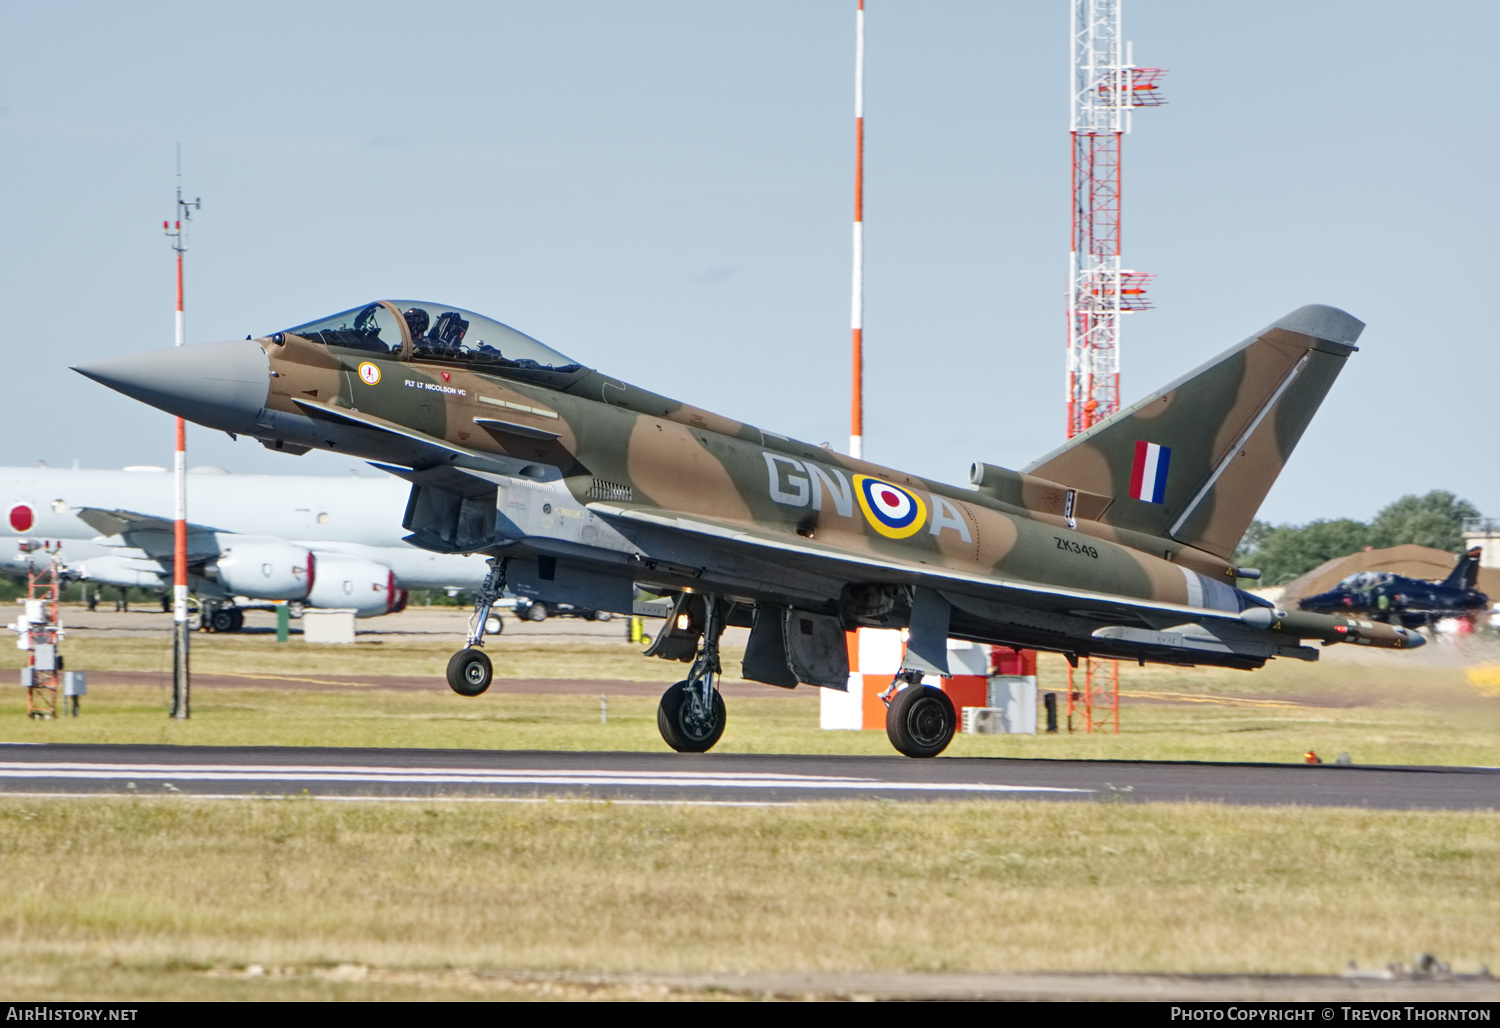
{"x": 986, "y": 589}
{"x": 152, "y": 535}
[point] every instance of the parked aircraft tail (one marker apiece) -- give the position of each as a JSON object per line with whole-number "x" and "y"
{"x": 1465, "y": 574}
{"x": 1194, "y": 460}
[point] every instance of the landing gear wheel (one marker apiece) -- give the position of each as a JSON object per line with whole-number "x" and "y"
{"x": 224, "y": 619}
{"x": 469, "y": 672}
{"x": 239, "y": 619}
{"x": 683, "y": 728}
{"x": 536, "y": 612}
{"x": 920, "y": 721}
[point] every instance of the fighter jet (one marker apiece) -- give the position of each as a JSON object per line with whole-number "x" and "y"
{"x": 1410, "y": 602}
{"x": 1117, "y": 544}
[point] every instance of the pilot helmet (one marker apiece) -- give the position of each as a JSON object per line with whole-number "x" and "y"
{"x": 417, "y": 320}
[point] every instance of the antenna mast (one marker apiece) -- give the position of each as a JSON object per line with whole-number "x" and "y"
{"x": 857, "y": 300}
{"x": 1105, "y": 86}
{"x": 176, "y": 232}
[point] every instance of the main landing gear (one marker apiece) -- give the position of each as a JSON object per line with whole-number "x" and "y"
{"x": 469, "y": 670}
{"x": 214, "y": 618}
{"x": 691, "y": 715}
{"x": 919, "y": 719}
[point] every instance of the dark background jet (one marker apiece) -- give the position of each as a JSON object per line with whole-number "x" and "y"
{"x": 1410, "y": 602}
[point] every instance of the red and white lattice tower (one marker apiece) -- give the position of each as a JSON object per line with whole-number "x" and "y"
{"x": 1106, "y": 86}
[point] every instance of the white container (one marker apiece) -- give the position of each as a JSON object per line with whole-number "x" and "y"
{"x": 335, "y": 626}
{"x": 983, "y": 720}
{"x": 44, "y": 656}
{"x": 966, "y": 658}
{"x": 1015, "y": 697}
{"x": 75, "y": 683}
{"x": 36, "y": 612}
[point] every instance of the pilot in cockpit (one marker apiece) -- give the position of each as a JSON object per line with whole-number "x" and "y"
{"x": 417, "y": 320}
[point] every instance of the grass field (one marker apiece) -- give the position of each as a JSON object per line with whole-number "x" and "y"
{"x": 148, "y": 898}
{"x": 1408, "y": 734}
{"x": 170, "y": 897}
{"x": 1381, "y": 708}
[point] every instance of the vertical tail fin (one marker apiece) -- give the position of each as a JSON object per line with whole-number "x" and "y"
{"x": 1194, "y": 460}
{"x": 1465, "y": 574}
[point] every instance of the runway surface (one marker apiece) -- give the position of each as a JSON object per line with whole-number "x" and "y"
{"x": 349, "y": 774}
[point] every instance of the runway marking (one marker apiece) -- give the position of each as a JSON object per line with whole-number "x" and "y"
{"x": 487, "y": 776}
{"x": 615, "y": 801}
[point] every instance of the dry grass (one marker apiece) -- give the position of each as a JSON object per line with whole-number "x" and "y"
{"x": 420, "y": 655}
{"x": 1435, "y": 706}
{"x": 1449, "y": 726}
{"x": 149, "y": 897}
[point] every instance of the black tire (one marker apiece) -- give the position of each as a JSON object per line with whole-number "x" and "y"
{"x": 239, "y": 619}
{"x": 536, "y": 612}
{"x": 222, "y": 620}
{"x": 920, "y": 721}
{"x": 470, "y": 672}
{"x": 683, "y": 733}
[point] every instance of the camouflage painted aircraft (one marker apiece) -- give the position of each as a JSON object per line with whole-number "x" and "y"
{"x": 582, "y": 487}
{"x": 1399, "y": 600}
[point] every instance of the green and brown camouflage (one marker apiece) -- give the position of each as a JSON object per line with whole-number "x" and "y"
{"x": 612, "y": 440}
{"x": 1117, "y": 544}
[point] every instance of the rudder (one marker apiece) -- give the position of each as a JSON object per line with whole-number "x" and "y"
{"x": 1194, "y": 460}
{"x": 1465, "y": 574}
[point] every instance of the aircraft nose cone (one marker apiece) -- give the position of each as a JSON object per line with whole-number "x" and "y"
{"x": 219, "y": 385}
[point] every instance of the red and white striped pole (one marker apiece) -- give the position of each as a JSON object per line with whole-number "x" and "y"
{"x": 857, "y": 301}
{"x": 181, "y": 708}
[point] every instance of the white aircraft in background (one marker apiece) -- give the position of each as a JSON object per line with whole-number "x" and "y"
{"x": 320, "y": 542}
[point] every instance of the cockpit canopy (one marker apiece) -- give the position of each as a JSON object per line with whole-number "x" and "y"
{"x": 1363, "y": 580}
{"x": 421, "y": 331}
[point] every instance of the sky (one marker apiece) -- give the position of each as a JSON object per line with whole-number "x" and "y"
{"x": 663, "y": 190}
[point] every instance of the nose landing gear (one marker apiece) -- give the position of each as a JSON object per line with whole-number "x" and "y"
{"x": 469, "y": 670}
{"x": 686, "y": 722}
{"x": 691, "y": 715}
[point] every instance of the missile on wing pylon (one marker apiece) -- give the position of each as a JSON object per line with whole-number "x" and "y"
{"x": 1304, "y": 624}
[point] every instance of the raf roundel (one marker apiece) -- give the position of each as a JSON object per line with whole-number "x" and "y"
{"x": 369, "y": 374}
{"x": 890, "y": 510}
{"x": 22, "y": 518}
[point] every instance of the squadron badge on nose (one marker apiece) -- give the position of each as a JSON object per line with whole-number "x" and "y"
{"x": 369, "y": 374}
{"x": 890, "y": 510}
